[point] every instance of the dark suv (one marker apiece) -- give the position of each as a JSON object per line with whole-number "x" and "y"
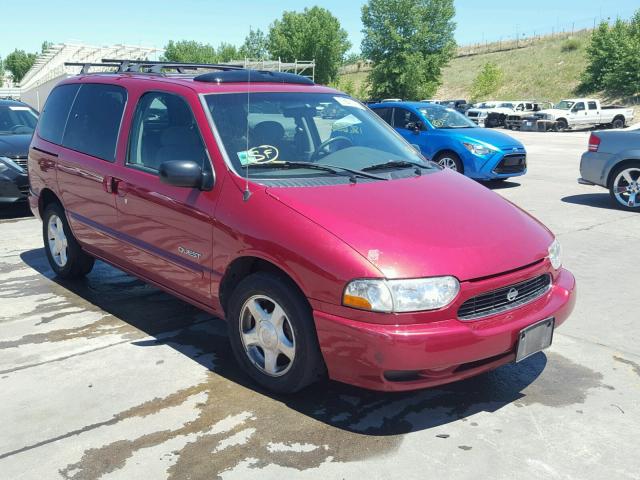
{"x": 328, "y": 242}
{"x": 17, "y": 123}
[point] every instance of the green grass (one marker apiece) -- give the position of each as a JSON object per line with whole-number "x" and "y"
{"x": 541, "y": 71}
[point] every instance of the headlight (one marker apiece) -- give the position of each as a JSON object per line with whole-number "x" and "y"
{"x": 477, "y": 149}
{"x": 555, "y": 254}
{"x": 401, "y": 295}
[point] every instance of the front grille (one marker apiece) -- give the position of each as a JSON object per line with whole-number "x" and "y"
{"x": 516, "y": 163}
{"x": 22, "y": 161}
{"x": 505, "y": 298}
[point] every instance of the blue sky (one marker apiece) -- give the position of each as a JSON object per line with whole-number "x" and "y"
{"x": 27, "y": 23}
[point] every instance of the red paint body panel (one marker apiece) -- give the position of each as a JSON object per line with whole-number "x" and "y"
{"x": 435, "y": 224}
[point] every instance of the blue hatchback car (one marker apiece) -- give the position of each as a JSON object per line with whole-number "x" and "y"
{"x": 453, "y": 141}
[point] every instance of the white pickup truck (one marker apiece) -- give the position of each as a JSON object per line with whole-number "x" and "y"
{"x": 494, "y": 114}
{"x": 585, "y": 112}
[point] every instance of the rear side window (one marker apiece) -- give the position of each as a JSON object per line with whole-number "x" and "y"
{"x": 593, "y": 106}
{"x": 94, "y": 121}
{"x": 56, "y": 111}
{"x": 403, "y": 118}
{"x": 384, "y": 113}
{"x": 164, "y": 129}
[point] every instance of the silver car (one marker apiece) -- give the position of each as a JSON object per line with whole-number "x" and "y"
{"x": 613, "y": 162}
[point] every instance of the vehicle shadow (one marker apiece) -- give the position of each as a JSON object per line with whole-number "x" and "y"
{"x": 597, "y": 200}
{"x": 499, "y": 184}
{"x": 169, "y": 321}
{"x": 14, "y": 211}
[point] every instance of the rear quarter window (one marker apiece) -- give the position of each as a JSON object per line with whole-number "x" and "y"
{"x": 55, "y": 113}
{"x": 94, "y": 121}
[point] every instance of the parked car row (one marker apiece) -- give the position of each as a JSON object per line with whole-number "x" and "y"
{"x": 329, "y": 244}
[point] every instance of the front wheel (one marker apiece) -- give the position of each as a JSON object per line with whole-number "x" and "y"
{"x": 618, "y": 123}
{"x": 66, "y": 257}
{"x": 450, "y": 160}
{"x": 625, "y": 187}
{"x": 273, "y": 334}
{"x": 561, "y": 125}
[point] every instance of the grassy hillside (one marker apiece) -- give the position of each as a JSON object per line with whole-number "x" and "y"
{"x": 541, "y": 71}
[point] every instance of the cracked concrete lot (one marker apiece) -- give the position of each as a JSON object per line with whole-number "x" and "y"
{"x": 110, "y": 378}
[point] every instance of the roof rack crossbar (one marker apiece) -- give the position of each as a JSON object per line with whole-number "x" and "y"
{"x": 87, "y": 65}
{"x": 157, "y": 66}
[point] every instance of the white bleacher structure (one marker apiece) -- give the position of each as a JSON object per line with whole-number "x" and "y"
{"x": 50, "y": 68}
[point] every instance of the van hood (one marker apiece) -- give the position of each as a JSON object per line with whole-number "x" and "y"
{"x": 486, "y": 135}
{"x": 440, "y": 223}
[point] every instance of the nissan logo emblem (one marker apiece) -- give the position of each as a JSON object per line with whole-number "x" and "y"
{"x": 512, "y": 295}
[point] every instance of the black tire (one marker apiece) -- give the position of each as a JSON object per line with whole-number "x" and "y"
{"x": 78, "y": 263}
{"x": 618, "y": 122}
{"x": 307, "y": 365}
{"x": 453, "y": 156}
{"x": 561, "y": 125}
{"x": 612, "y": 193}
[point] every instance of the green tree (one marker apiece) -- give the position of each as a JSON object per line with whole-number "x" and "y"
{"x": 227, "y": 52}
{"x": 189, "y": 51}
{"x": 46, "y": 45}
{"x": 1, "y": 71}
{"x": 18, "y": 63}
{"x": 409, "y": 41}
{"x": 486, "y": 82}
{"x": 613, "y": 64}
{"x": 314, "y": 34}
{"x": 255, "y": 46}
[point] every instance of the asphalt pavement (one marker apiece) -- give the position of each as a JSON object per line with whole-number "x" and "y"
{"x": 111, "y": 378}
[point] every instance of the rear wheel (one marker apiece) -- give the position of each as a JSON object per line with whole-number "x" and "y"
{"x": 450, "y": 160}
{"x": 272, "y": 333}
{"x": 625, "y": 187}
{"x": 66, "y": 257}
{"x": 618, "y": 122}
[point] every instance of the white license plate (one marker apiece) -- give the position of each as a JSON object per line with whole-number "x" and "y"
{"x": 534, "y": 338}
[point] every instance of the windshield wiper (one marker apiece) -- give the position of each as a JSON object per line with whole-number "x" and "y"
{"x": 397, "y": 164}
{"x": 335, "y": 169}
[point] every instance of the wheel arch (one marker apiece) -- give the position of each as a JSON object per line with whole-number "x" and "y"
{"x": 616, "y": 166}
{"x": 46, "y": 197}
{"x": 243, "y": 266}
{"x": 450, "y": 151}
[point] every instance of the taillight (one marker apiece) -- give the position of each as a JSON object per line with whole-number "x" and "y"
{"x": 594, "y": 143}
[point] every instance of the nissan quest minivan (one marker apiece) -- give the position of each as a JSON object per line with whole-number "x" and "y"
{"x": 327, "y": 242}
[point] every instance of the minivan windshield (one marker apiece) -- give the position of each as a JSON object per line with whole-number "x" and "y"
{"x": 442, "y": 117}
{"x": 269, "y": 131}
{"x": 17, "y": 120}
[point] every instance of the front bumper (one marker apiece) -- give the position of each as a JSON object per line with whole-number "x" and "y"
{"x": 500, "y": 165}
{"x": 14, "y": 187}
{"x": 412, "y": 356}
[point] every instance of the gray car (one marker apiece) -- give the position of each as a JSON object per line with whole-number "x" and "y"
{"x": 613, "y": 162}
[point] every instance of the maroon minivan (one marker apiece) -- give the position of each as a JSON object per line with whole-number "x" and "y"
{"x": 329, "y": 244}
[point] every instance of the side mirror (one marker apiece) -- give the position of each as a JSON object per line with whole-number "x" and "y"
{"x": 416, "y": 127}
{"x": 185, "y": 173}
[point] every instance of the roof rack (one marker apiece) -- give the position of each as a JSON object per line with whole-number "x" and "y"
{"x": 225, "y": 74}
{"x": 149, "y": 66}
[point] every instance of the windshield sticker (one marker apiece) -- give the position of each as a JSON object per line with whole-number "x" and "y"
{"x": 348, "y": 102}
{"x": 261, "y": 154}
{"x": 19, "y": 108}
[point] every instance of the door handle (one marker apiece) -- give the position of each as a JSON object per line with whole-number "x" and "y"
{"x": 110, "y": 184}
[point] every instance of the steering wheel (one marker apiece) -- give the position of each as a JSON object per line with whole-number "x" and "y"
{"x": 15, "y": 128}
{"x": 323, "y": 150}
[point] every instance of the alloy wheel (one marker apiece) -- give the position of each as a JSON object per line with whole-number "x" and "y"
{"x": 626, "y": 187}
{"x": 57, "y": 240}
{"x": 267, "y": 335}
{"x": 449, "y": 163}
